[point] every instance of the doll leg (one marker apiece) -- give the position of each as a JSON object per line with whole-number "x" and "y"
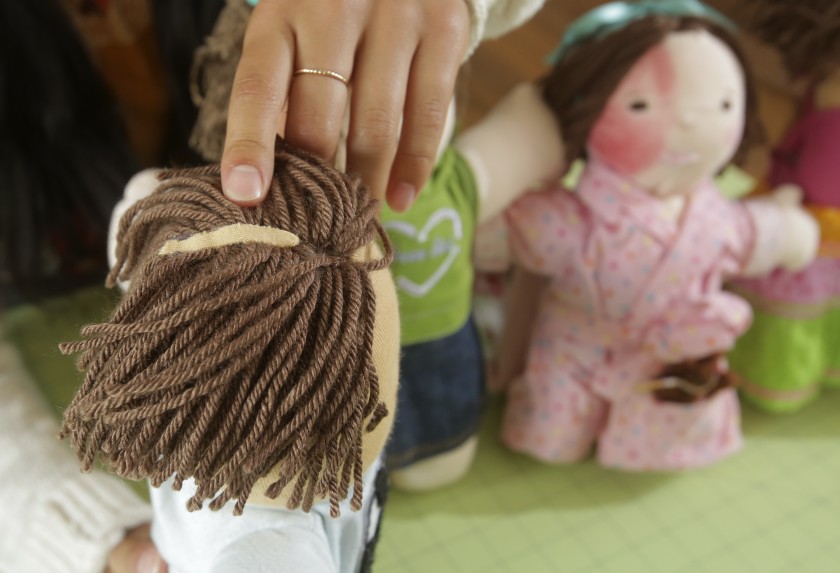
{"x": 439, "y": 405}
{"x": 265, "y": 538}
{"x": 644, "y": 434}
{"x": 436, "y": 471}
{"x": 551, "y": 413}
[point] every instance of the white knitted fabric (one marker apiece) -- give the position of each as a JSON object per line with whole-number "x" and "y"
{"x": 492, "y": 18}
{"x": 56, "y": 519}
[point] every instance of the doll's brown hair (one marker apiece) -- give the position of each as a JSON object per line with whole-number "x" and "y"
{"x": 806, "y": 33}
{"x": 223, "y": 363}
{"x": 580, "y": 84}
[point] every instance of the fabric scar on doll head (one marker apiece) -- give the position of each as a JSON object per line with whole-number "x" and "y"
{"x": 246, "y": 345}
{"x": 631, "y": 81}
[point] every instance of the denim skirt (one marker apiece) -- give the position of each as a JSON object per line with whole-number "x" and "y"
{"x": 440, "y": 398}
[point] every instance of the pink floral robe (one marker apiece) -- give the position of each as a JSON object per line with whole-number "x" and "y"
{"x": 631, "y": 290}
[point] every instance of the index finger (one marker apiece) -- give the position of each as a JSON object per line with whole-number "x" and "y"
{"x": 258, "y": 95}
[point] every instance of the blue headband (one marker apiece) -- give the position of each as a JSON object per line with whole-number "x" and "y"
{"x": 615, "y": 15}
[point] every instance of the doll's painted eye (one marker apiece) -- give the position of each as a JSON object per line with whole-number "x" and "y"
{"x": 726, "y": 104}
{"x": 639, "y": 105}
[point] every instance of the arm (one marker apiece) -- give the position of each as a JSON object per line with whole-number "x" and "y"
{"x": 785, "y": 235}
{"x": 517, "y": 146}
{"x": 64, "y": 521}
{"x": 521, "y": 303}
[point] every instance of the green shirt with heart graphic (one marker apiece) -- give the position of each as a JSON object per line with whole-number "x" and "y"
{"x": 433, "y": 249}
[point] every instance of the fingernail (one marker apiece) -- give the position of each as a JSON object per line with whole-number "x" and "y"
{"x": 149, "y": 561}
{"x": 403, "y": 196}
{"x": 244, "y": 184}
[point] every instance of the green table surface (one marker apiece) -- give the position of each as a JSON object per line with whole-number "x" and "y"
{"x": 775, "y": 507}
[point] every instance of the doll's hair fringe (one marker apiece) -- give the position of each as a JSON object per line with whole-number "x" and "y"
{"x": 223, "y": 363}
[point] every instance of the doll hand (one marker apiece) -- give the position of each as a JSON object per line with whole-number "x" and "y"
{"x": 788, "y": 196}
{"x": 400, "y": 57}
{"x": 136, "y": 554}
{"x": 802, "y": 231}
{"x": 140, "y": 186}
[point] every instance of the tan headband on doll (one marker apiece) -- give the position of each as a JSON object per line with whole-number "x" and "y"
{"x": 231, "y": 235}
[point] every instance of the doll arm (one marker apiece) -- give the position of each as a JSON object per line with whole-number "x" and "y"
{"x": 140, "y": 186}
{"x": 785, "y": 235}
{"x": 58, "y": 520}
{"x": 517, "y": 146}
{"x": 493, "y": 18}
{"x": 521, "y": 304}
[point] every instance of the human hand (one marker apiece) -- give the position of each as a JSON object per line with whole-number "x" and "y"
{"x": 402, "y": 59}
{"x": 136, "y": 554}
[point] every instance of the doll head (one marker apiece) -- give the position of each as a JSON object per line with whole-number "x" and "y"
{"x": 806, "y": 33}
{"x": 664, "y": 100}
{"x": 252, "y": 343}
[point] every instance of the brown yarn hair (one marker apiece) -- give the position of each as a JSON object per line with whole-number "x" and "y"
{"x": 224, "y": 363}
{"x": 806, "y": 33}
{"x": 580, "y": 84}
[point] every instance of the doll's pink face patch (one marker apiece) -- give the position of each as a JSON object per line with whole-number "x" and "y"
{"x": 676, "y": 117}
{"x": 631, "y": 133}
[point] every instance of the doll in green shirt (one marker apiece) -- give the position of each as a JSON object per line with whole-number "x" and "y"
{"x": 441, "y": 389}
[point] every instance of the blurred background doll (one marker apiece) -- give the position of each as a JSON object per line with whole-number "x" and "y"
{"x": 631, "y": 324}
{"x": 442, "y": 386}
{"x": 791, "y": 350}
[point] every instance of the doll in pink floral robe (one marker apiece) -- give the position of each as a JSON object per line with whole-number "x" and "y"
{"x": 635, "y": 258}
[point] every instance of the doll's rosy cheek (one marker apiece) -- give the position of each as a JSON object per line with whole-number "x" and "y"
{"x": 631, "y": 133}
{"x": 629, "y": 136}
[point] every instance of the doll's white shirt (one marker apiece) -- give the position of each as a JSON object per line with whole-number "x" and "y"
{"x": 262, "y": 539}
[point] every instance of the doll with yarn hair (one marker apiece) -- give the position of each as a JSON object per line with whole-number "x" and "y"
{"x": 251, "y": 366}
{"x": 442, "y": 379}
{"x": 632, "y": 325}
{"x": 791, "y": 351}
{"x": 440, "y": 396}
